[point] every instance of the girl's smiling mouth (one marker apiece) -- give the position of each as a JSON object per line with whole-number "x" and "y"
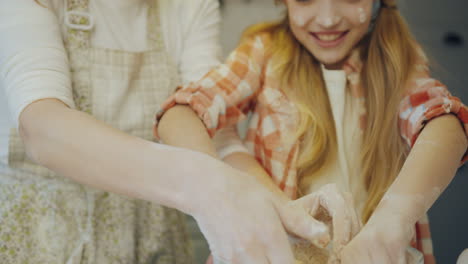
{"x": 329, "y": 39}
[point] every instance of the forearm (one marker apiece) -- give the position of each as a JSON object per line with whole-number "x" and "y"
{"x": 181, "y": 127}
{"x": 79, "y": 147}
{"x": 429, "y": 168}
{"x": 247, "y": 163}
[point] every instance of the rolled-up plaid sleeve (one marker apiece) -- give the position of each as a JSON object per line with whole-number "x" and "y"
{"x": 425, "y": 100}
{"x": 226, "y": 93}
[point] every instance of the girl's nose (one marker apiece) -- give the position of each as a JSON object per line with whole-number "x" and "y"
{"x": 327, "y": 15}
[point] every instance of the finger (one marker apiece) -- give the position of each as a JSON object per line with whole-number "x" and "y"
{"x": 310, "y": 202}
{"x": 334, "y": 203}
{"x": 356, "y": 223}
{"x": 297, "y": 221}
{"x": 341, "y": 229}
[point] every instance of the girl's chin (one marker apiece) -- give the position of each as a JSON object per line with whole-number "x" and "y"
{"x": 330, "y": 57}
{"x": 332, "y": 64}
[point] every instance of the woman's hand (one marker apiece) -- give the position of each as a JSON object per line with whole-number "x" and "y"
{"x": 244, "y": 222}
{"x": 340, "y": 207}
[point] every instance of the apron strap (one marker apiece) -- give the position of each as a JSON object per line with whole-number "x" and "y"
{"x": 79, "y": 23}
{"x": 154, "y": 34}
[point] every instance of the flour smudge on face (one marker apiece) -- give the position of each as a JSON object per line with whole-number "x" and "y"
{"x": 300, "y": 21}
{"x": 362, "y": 15}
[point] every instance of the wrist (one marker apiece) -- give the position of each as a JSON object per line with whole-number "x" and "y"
{"x": 391, "y": 225}
{"x": 210, "y": 184}
{"x": 403, "y": 208}
{"x": 391, "y": 229}
{"x": 183, "y": 178}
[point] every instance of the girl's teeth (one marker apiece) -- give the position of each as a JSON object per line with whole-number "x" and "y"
{"x": 329, "y": 37}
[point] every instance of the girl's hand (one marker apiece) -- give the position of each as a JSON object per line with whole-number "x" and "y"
{"x": 383, "y": 241}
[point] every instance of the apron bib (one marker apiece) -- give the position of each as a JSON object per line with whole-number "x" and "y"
{"x": 46, "y": 218}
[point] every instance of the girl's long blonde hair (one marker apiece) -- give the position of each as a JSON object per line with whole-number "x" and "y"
{"x": 387, "y": 54}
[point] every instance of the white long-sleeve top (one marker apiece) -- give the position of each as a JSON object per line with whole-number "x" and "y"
{"x": 33, "y": 61}
{"x": 344, "y": 171}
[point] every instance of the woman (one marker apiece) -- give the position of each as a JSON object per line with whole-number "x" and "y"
{"x": 83, "y": 79}
{"x": 340, "y": 92}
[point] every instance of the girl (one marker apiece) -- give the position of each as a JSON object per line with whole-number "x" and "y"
{"x": 340, "y": 93}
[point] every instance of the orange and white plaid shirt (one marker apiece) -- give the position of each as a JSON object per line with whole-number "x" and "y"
{"x": 246, "y": 83}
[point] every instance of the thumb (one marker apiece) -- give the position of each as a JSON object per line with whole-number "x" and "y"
{"x": 296, "y": 220}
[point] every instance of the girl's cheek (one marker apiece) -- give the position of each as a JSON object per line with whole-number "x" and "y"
{"x": 299, "y": 15}
{"x": 299, "y": 20}
{"x": 362, "y": 15}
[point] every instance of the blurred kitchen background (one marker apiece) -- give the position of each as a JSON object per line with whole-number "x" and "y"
{"x": 442, "y": 28}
